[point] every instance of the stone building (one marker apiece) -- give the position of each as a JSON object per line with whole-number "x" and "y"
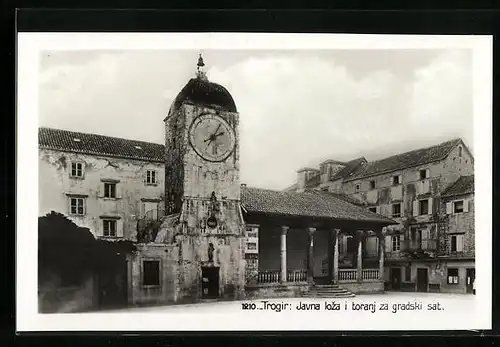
{"x": 103, "y": 183}
{"x": 199, "y": 233}
{"x": 457, "y": 242}
{"x": 411, "y": 188}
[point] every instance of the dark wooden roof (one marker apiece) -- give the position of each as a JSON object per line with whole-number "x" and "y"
{"x": 408, "y": 159}
{"x": 464, "y": 185}
{"x": 311, "y": 203}
{"x": 207, "y": 93}
{"x": 93, "y": 144}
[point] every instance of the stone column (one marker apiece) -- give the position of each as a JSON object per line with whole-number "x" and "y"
{"x": 283, "y": 277}
{"x": 381, "y": 254}
{"x": 359, "y": 263}
{"x": 335, "y": 269}
{"x": 310, "y": 256}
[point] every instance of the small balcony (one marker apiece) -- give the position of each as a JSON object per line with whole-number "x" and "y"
{"x": 149, "y": 225}
{"x": 429, "y": 245}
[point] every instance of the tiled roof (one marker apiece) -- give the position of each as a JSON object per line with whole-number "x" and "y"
{"x": 93, "y": 144}
{"x": 311, "y": 203}
{"x": 351, "y": 168}
{"x": 348, "y": 198}
{"x": 409, "y": 159}
{"x": 291, "y": 188}
{"x": 464, "y": 185}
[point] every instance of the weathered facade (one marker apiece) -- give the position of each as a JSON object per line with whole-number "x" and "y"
{"x": 409, "y": 188}
{"x": 199, "y": 233}
{"x": 102, "y": 183}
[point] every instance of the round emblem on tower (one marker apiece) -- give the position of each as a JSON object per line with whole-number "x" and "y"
{"x": 212, "y": 137}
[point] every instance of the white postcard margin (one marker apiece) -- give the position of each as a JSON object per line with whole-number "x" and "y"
{"x": 454, "y": 317}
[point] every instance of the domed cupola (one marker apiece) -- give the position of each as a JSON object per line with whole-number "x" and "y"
{"x": 201, "y": 91}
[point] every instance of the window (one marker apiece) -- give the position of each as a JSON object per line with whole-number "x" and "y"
{"x": 109, "y": 227}
{"x": 396, "y": 210}
{"x": 357, "y": 187}
{"x": 372, "y": 209}
{"x": 77, "y": 206}
{"x": 151, "y": 273}
{"x": 452, "y": 276}
{"x": 251, "y": 246}
{"x": 423, "y": 207}
{"x": 110, "y": 190}
{"x": 372, "y": 184}
{"x": 77, "y": 170}
{"x": 252, "y": 234}
{"x": 459, "y": 151}
{"x": 424, "y": 174}
{"x": 458, "y": 206}
{"x": 396, "y": 180}
{"x": 396, "y": 243}
{"x": 150, "y": 177}
{"x": 453, "y": 243}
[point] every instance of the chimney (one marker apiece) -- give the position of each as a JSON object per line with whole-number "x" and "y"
{"x": 243, "y": 185}
{"x": 303, "y": 175}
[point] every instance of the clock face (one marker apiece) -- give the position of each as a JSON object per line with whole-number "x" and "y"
{"x": 212, "y": 137}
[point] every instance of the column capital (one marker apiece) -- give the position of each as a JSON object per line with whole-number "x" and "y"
{"x": 284, "y": 229}
{"x": 360, "y": 234}
{"x": 311, "y": 230}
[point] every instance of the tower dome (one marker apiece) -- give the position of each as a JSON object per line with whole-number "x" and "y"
{"x": 201, "y": 91}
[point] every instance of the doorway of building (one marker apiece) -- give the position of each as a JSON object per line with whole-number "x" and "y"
{"x": 422, "y": 280}
{"x": 210, "y": 282}
{"x": 396, "y": 278}
{"x": 470, "y": 276}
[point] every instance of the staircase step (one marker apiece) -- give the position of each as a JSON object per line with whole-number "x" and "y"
{"x": 332, "y": 295}
{"x": 328, "y": 291}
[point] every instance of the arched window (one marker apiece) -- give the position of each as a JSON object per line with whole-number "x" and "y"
{"x": 459, "y": 151}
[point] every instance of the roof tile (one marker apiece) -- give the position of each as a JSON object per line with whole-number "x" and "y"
{"x": 94, "y": 144}
{"x": 463, "y": 185}
{"x": 311, "y": 203}
{"x": 408, "y": 159}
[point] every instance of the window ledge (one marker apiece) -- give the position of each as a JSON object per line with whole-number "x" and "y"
{"x": 76, "y": 215}
{"x": 151, "y": 286}
{"x": 111, "y": 238}
{"x": 105, "y": 198}
{"x": 77, "y": 177}
{"x": 76, "y": 195}
{"x": 151, "y": 184}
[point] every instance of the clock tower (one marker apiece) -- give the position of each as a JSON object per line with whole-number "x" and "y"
{"x": 202, "y": 190}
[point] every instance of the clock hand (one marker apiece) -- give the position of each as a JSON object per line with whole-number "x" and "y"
{"x": 209, "y": 142}
{"x": 215, "y": 132}
{"x": 219, "y": 134}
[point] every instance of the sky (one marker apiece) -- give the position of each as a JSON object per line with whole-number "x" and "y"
{"x": 297, "y": 107}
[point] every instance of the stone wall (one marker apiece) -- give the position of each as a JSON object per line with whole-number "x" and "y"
{"x": 56, "y": 186}
{"x": 437, "y": 273}
{"x": 269, "y": 291}
{"x": 140, "y": 294}
{"x": 462, "y": 223}
{"x": 54, "y": 298}
{"x": 187, "y": 173}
